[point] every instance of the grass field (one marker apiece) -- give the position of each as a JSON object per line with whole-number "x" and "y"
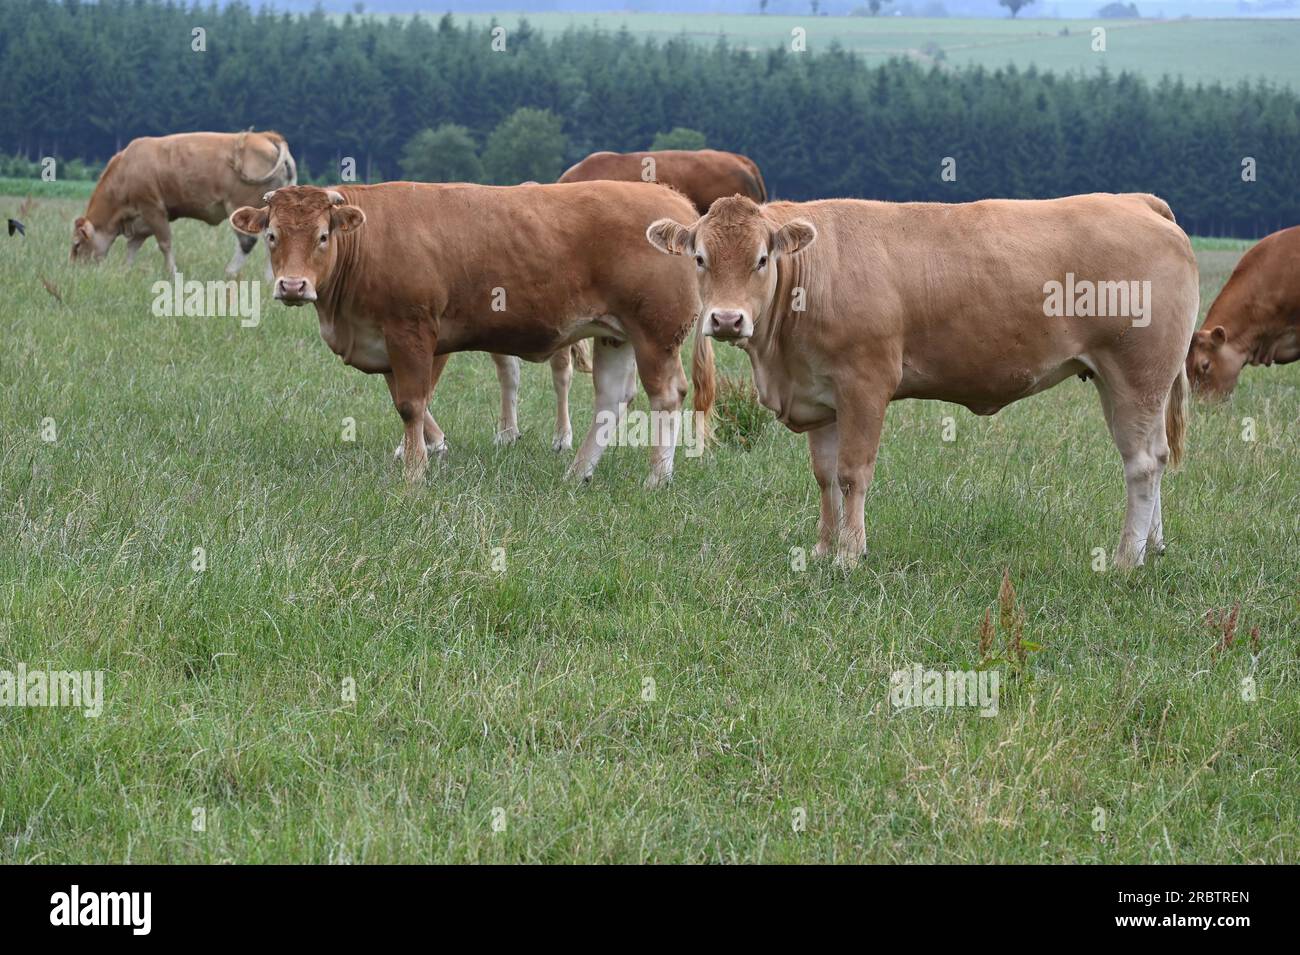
{"x": 518, "y": 696}
{"x": 1199, "y": 50}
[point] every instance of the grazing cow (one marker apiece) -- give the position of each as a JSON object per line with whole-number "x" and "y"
{"x": 158, "y": 179}
{"x": 1254, "y": 321}
{"x": 402, "y": 274}
{"x": 844, "y": 306}
{"x": 701, "y": 176}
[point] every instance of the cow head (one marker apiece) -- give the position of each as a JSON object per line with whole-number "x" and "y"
{"x": 1214, "y": 363}
{"x": 301, "y": 225}
{"x": 735, "y": 248}
{"x": 88, "y": 243}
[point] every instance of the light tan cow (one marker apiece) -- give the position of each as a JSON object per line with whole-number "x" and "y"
{"x": 158, "y": 179}
{"x": 844, "y": 306}
{"x": 1254, "y": 321}
{"x": 403, "y": 274}
{"x": 701, "y": 175}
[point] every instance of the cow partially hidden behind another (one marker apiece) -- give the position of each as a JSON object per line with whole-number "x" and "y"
{"x": 844, "y": 306}
{"x": 402, "y": 274}
{"x": 158, "y": 179}
{"x": 701, "y": 175}
{"x": 1254, "y": 321}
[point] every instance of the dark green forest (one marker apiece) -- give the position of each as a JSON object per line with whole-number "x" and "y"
{"x": 81, "y": 80}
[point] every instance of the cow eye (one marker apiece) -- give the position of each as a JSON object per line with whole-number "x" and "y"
{"x": 270, "y": 238}
{"x": 1205, "y": 365}
{"x": 699, "y": 261}
{"x": 324, "y": 237}
{"x": 762, "y": 262}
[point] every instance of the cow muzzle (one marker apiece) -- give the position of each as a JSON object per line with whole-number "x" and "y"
{"x": 728, "y": 324}
{"x": 294, "y": 290}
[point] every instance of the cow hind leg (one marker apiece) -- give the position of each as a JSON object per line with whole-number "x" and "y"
{"x": 562, "y": 379}
{"x": 508, "y": 377}
{"x": 243, "y": 246}
{"x": 610, "y": 362}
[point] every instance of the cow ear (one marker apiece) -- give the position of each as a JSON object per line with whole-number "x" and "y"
{"x": 793, "y": 236}
{"x": 669, "y": 236}
{"x": 1218, "y": 335}
{"x": 249, "y": 221}
{"x": 347, "y": 218}
{"x": 84, "y": 228}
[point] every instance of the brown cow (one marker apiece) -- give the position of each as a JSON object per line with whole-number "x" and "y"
{"x": 701, "y": 175}
{"x": 845, "y": 305}
{"x": 402, "y": 274}
{"x": 1254, "y": 321}
{"x": 158, "y": 179}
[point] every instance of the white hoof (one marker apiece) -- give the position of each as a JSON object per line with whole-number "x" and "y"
{"x": 658, "y": 480}
{"x": 563, "y": 441}
{"x": 506, "y": 437}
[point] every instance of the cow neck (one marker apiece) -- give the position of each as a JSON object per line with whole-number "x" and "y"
{"x": 1248, "y": 324}
{"x": 335, "y": 292}
{"x": 778, "y": 320}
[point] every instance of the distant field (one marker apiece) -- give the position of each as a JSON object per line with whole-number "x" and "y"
{"x": 1199, "y": 50}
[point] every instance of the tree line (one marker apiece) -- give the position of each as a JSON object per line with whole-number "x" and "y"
{"x": 82, "y": 79}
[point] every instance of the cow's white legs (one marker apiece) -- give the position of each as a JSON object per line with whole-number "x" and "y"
{"x": 823, "y": 445}
{"x": 562, "y": 378}
{"x": 508, "y": 376}
{"x": 610, "y": 362}
{"x": 243, "y": 246}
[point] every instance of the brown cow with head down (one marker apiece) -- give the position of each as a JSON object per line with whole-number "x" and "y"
{"x": 701, "y": 175}
{"x": 158, "y": 179}
{"x": 844, "y": 306}
{"x": 402, "y": 274}
{"x": 1254, "y": 321}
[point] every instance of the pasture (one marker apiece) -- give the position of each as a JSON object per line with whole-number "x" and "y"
{"x": 1206, "y": 51}
{"x": 501, "y": 715}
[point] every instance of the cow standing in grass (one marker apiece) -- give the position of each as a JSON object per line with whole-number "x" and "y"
{"x": 156, "y": 180}
{"x": 1254, "y": 321}
{"x": 701, "y": 175}
{"x": 402, "y": 274}
{"x": 844, "y": 306}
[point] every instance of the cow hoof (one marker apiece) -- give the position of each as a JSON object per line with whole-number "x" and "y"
{"x": 658, "y": 480}
{"x": 400, "y": 451}
{"x": 506, "y": 437}
{"x": 580, "y": 475}
{"x": 821, "y": 550}
{"x": 439, "y": 450}
{"x": 847, "y": 560}
{"x": 562, "y": 442}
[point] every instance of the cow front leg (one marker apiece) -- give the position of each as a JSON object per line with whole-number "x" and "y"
{"x": 243, "y": 246}
{"x": 508, "y": 377}
{"x": 610, "y": 362}
{"x": 665, "y": 383}
{"x": 434, "y": 439}
{"x": 410, "y": 386}
{"x": 562, "y": 379}
{"x": 162, "y": 231}
{"x": 823, "y": 445}
{"x": 860, "y": 421}
{"x": 133, "y": 244}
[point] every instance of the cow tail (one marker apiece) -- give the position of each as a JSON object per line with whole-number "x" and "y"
{"x": 1176, "y": 417}
{"x": 704, "y": 378}
{"x": 582, "y": 356}
{"x": 762, "y": 186}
